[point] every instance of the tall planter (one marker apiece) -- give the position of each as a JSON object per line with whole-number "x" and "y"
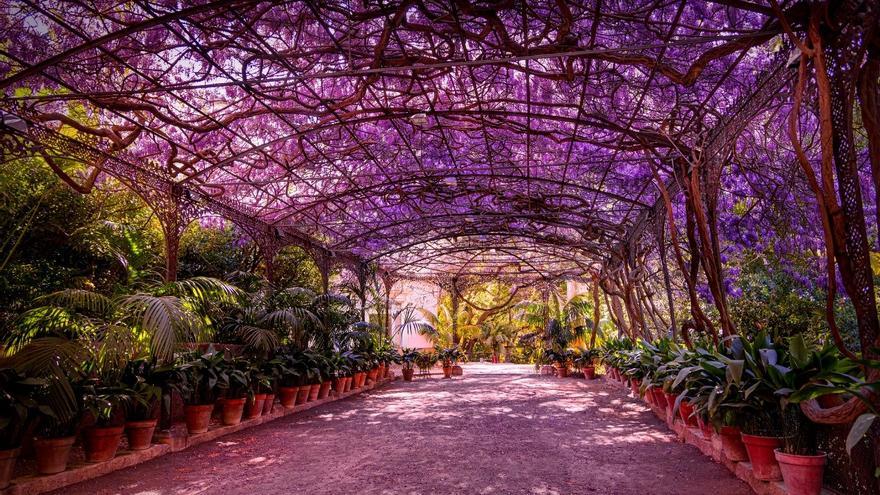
{"x": 408, "y": 374}
{"x": 198, "y": 417}
{"x": 101, "y": 443}
{"x": 802, "y": 474}
{"x": 254, "y": 407}
{"x": 302, "y": 396}
{"x": 140, "y": 434}
{"x": 53, "y": 454}
{"x": 314, "y": 390}
{"x": 8, "y": 458}
{"x": 732, "y": 445}
{"x": 232, "y": 411}
{"x": 287, "y": 396}
{"x": 324, "y": 390}
{"x": 268, "y": 404}
{"x": 761, "y": 455}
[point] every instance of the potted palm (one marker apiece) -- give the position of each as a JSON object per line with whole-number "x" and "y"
{"x": 17, "y": 405}
{"x": 408, "y": 359}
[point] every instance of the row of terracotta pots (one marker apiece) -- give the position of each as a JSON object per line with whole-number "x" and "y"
{"x": 99, "y": 443}
{"x": 802, "y": 474}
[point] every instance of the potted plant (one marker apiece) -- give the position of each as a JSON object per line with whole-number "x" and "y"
{"x": 103, "y": 406}
{"x": 585, "y": 361}
{"x": 447, "y": 357}
{"x": 141, "y": 410}
{"x": 17, "y": 405}
{"x": 289, "y": 379}
{"x": 811, "y": 374}
{"x": 408, "y": 359}
{"x": 237, "y": 389}
{"x": 260, "y": 382}
{"x": 202, "y": 379}
{"x": 59, "y": 416}
{"x": 425, "y": 361}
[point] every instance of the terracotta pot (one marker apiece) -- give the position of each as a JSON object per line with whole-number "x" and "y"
{"x": 269, "y": 404}
{"x": 348, "y": 382}
{"x": 802, "y": 474}
{"x": 705, "y": 427}
{"x": 302, "y": 396}
{"x": 634, "y": 386}
{"x": 561, "y": 371}
{"x": 381, "y": 372}
{"x": 140, "y": 433}
{"x": 408, "y": 374}
{"x": 7, "y": 465}
{"x": 589, "y": 372}
{"x": 53, "y": 454}
{"x": 670, "y": 400}
{"x": 659, "y": 397}
{"x": 761, "y": 455}
{"x": 287, "y": 396}
{"x": 372, "y": 374}
{"x": 686, "y": 411}
{"x": 254, "y": 408}
{"x": 447, "y": 372}
{"x": 339, "y": 385}
{"x": 324, "y": 390}
{"x": 198, "y": 417}
{"x": 314, "y": 390}
{"x": 101, "y": 443}
{"x": 732, "y": 445}
{"x": 829, "y": 401}
{"x": 232, "y": 411}
{"x": 360, "y": 379}
{"x": 457, "y": 370}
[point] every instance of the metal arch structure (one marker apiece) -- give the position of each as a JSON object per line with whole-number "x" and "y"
{"x": 391, "y": 132}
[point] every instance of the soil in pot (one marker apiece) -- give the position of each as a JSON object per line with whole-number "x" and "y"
{"x": 325, "y": 390}
{"x": 254, "y": 408}
{"x": 408, "y": 374}
{"x": 732, "y": 444}
{"x": 287, "y": 396}
{"x": 140, "y": 433}
{"x": 198, "y": 417}
{"x": 268, "y": 404}
{"x": 232, "y": 411}
{"x": 53, "y": 454}
{"x": 8, "y": 458}
{"x": 761, "y": 455}
{"x": 447, "y": 372}
{"x": 302, "y": 396}
{"x": 589, "y": 373}
{"x": 802, "y": 474}
{"x": 101, "y": 442}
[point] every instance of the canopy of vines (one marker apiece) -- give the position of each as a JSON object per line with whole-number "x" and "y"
{"x": 619, "y": 142}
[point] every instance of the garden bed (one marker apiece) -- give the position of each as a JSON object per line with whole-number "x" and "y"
{"x": 27, "y": 483}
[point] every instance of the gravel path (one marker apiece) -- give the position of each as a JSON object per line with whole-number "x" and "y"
{"x": 498, "y": 430}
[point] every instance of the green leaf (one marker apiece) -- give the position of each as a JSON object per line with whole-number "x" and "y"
{"x": 859, "y": 428}
{"x": 734, "y": 371}
{"x": 797, "y": 349}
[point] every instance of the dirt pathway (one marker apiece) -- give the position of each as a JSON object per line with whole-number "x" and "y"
{"x": 486, "y": 433}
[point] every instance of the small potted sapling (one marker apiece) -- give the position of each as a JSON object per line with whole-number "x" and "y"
{"x": 104, "y": 407}
{"x": 237, "y": 389}
{"x": 202, "y": 379}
